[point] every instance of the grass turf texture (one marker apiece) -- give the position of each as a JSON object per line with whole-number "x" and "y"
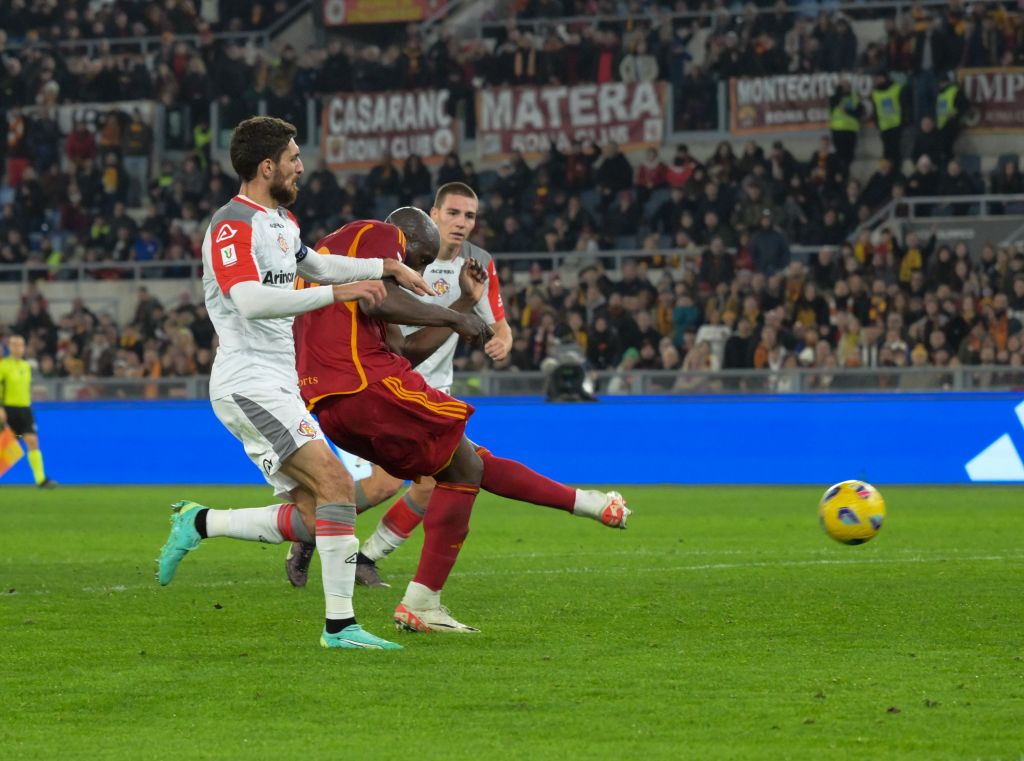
{"x": 722, "y": 625}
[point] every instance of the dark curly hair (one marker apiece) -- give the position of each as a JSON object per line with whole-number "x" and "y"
{"x": 257, "y": 139}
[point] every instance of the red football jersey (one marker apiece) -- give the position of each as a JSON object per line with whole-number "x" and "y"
{"x": 338, "y": 349}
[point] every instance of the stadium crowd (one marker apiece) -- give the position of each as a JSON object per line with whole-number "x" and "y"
{"x": 719, "y": 287}
{"x": 903, "y": 302}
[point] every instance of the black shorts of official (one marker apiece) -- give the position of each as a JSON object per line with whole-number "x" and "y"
{"x": 20, "y": 420}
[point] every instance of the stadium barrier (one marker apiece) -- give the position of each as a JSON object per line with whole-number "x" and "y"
{"x": 783, "y": 439}
{"x": 860, "y": 9}
{"x": 609, "y": 382}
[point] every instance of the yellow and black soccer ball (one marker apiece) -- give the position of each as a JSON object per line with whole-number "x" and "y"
{"x": 852, "y": 512}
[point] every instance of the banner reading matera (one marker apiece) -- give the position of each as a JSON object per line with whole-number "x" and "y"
{"x": 530, "y": 119}
{"x": 996, "y": 97}
{"x": 787, "y": 102}
{"x": 359, "y": 129}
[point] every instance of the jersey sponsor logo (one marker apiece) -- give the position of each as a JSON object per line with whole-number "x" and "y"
{"x": 277, "y": 225}
{"x": 228, "y": 256}
{"x": 227, "y": 232}
{"x": 282, "y": 243}
{"x": 441, "y": 286}
{"x": 307, "y": 429}
{"x": 278, "y": 278}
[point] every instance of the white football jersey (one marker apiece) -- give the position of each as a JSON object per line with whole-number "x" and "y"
{"x": 443, "y": 277}
{"x": 246, "y": 241}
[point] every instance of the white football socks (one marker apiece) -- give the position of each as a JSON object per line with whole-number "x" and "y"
{"x": 253, "y": 524}
{"x": 419, "y": 597}
{"x": 589, "y": 503}
{"x": 338, "y": 547}
{"x": 383, "y": 542}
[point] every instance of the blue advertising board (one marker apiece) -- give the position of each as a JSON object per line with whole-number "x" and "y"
{"x": 784, "y": 439}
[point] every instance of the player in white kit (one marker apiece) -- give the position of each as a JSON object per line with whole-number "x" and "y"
{"x": 252, "y": 253}
{"x": 454, "y": 212}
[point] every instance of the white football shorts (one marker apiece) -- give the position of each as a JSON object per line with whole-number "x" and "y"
{"x": 272, "y": 425}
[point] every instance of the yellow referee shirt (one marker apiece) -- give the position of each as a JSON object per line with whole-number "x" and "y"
{"x": 16, "y": 379}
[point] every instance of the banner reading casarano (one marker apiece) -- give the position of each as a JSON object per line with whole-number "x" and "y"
{"x": 358, "y": 130}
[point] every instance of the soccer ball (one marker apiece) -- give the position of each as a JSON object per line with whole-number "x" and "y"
{"x": 852, "y": 512}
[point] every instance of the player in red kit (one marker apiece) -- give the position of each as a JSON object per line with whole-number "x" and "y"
{"x": 370, "y": 403}
{"x": 455, "y": 212}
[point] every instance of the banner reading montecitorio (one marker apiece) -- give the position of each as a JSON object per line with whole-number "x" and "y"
{"x": 530, "y": 119}
{"x": 996, "y": 97}
{"x": 787, "y": 102}
{"x": 359, "y": 129}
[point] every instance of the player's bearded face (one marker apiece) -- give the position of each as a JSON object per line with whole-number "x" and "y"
{"x": 284, "y": 185}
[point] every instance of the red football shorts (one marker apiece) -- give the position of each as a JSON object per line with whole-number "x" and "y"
{"x": 400, "y": 423}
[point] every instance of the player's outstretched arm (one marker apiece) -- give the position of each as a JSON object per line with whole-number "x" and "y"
{"x": 401, "y": 308}
{"x": 419, "y": 345}
{"x": 334, "y": 270}
{"x": 256, "y": 301}
{"x": 407, "y": 277}
{"x": 369, "y": 292}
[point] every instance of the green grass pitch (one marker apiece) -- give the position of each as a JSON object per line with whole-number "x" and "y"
{"x": 722, "y": 625}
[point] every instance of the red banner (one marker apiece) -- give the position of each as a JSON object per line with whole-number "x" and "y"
{"x": 529, "y": 119}
{"x": 341, "y": 12}
{"x": 359, "y": 129}
{"x": 788, "y": 102}
{"x": 996, "y": 97}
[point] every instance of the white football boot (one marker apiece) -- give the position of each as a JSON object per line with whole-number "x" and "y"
{"x": 429, "y": 620}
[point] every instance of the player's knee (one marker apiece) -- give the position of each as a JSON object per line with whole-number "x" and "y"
{"x": 381, "y": 487}
{"x": 420, "y": 492}
{"x": 466, "y": 466}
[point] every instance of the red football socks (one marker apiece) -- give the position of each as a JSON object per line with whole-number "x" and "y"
{"x": 444, "y": 530}
{"x": 511, "y": 479}
{"x": 400, "y": 518}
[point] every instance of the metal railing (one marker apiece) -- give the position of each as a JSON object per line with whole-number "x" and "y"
{"x": 911, "y": 208}
{"x": 150, "y": 42}
{"x": 186, "y": 269}
{"x": 606, "y": 383}
{"x": 192, "y": 269}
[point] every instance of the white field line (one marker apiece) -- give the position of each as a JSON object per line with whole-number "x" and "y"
{"x": 573, "y": 570}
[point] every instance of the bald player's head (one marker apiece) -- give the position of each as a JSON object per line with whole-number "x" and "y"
{"x": 422, "y": 237}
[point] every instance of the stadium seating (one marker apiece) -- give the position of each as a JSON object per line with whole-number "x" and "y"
{"x": 62, "y": 216}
